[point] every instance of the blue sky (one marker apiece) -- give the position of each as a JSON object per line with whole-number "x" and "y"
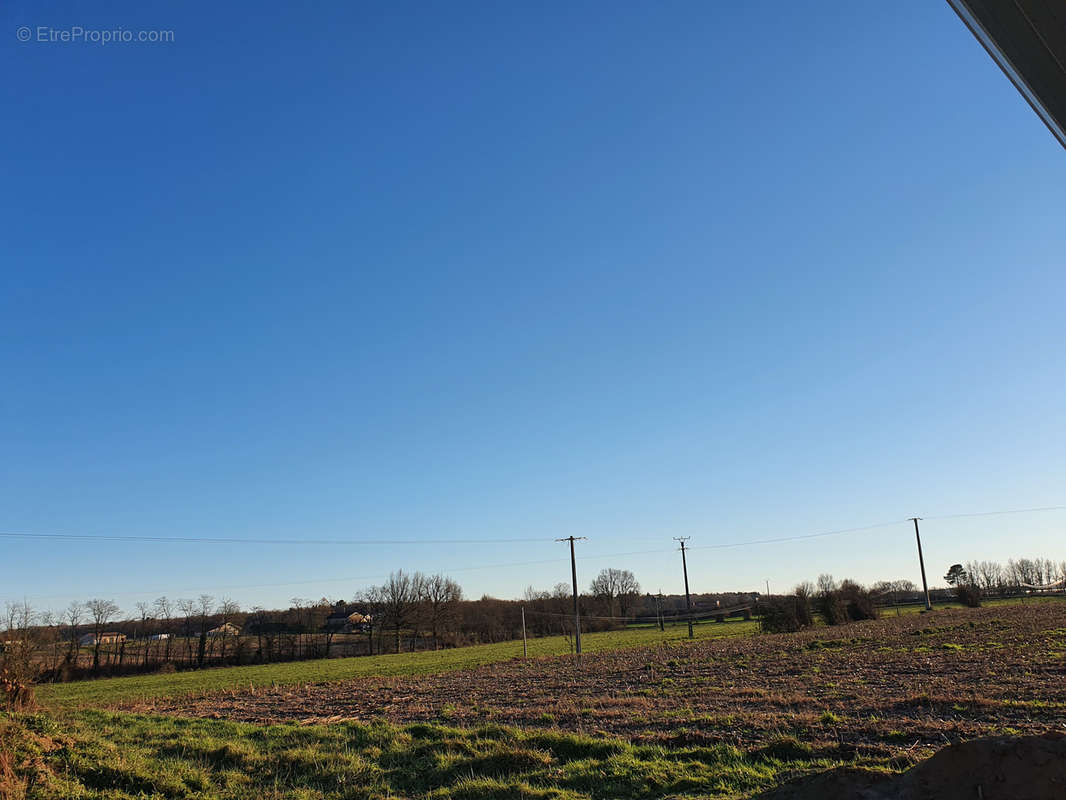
{"x": 482, "y": 271}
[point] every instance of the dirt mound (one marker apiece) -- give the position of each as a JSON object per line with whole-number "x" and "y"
{"x": 1002, "y": 768}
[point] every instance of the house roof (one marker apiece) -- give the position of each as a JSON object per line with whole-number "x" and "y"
{"x": 225, "y": 627}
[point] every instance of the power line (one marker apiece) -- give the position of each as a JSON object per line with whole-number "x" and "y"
{"x": 282, "y": 584}
{"x": 515, "y": 540}
{"x": 996, "y": 513}
{"x": 355, "y": 579}
{"x": 778, "y": 539}
{"x": 237, "y": 540}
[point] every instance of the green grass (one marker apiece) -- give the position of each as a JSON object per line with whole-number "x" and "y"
{"x": 118, "y": 690}
{"x": 94, "y": 754}
{"x": 829, "y": 718}
{"x": 988, "y": 602}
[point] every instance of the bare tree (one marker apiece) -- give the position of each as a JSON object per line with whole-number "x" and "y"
{"x": 533, "y": 594}
{"x": 18, "y": 656}
{"x": 373, "y": 599}
{"x": 271, "y": 641}
{"x": 442, "y": 598}
{"x": 1021, "y": 572}
{"x": 987, "y": 575}
{"x": 303, "y": 608}
{"x": 51, "y": 624}
{"x": 419, "y": 615}
{"x": 605, "y": 586}
{"x": 826, "y": 584}
{"x": 187, "y": 608}
{"x": 616, "y": 586}
{"x": 145, "y": 612}
{"x": 204, "y": 606}
{"x": 101, "y": 612}
{"x": 163, "y": 611}
{"x": 330, "y": 629}
{"x": 73, "y": 616}
{"x": 893, "y": 592}
{"x": 628, "y": 591}
{"x": 229, "y": 609}
{"x": 400, "y": 596}
{"x": 1048, "y": 571}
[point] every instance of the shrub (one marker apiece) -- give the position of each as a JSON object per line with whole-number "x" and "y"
{"x": 786, "y": 614}
{"x": 969, "y": 595}
{"x": 846, "y": 602}
{"x": 832, "y": 607}
{"x": 858, "y": 601}
{"x": 15, "y": 693}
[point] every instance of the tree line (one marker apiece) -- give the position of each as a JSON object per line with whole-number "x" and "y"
{"x": 846, "y": 601}
{"x": 408, "y": 611}
{"x": 995, "y": 579}
{"x": 416, "y": 611}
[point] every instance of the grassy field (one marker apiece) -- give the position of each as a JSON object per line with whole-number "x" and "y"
{"x": 917, "y": 608}
{"x": 645, "y": 715}
{"x": 123, "y": 690}
{"x": 880, "y": 687}
{"x": 92, "y": 754}
{"x": 108, "y": 691}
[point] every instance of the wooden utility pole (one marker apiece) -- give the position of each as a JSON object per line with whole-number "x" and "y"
{"x": 688, "y": 599}
{"x": 921, "y": 563}
{"x": 525, "y": 650}
{"x": 573, "y": 572}
{"x": 659, "y": 611}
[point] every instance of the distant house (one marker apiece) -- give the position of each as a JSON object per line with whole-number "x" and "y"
{"x": 341, "y": 619}
{"x": 338, "y": 619}
{"x": 158, "y": 637}
{"x": 90, "y": 640}
{"x": 225, "y": 629}
{"x": 359, "y": 622}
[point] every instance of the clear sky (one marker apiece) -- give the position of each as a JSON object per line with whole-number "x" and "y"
{"x": 436, "y": 271}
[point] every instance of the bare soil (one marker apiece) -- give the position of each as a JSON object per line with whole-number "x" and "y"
{"x": 890, "y": 687}
{"x": 1004, "y": 768}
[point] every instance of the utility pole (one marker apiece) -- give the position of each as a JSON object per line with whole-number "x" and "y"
{"x": 921, "y": 563}
{"x": 525, "y": 651}
{"x": 659, "y": 611}
{"x": 688, "y": 599}
{"x": 573, "y": 572}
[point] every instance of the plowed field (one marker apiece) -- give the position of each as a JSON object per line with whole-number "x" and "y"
{"x": 873, "y": 688}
